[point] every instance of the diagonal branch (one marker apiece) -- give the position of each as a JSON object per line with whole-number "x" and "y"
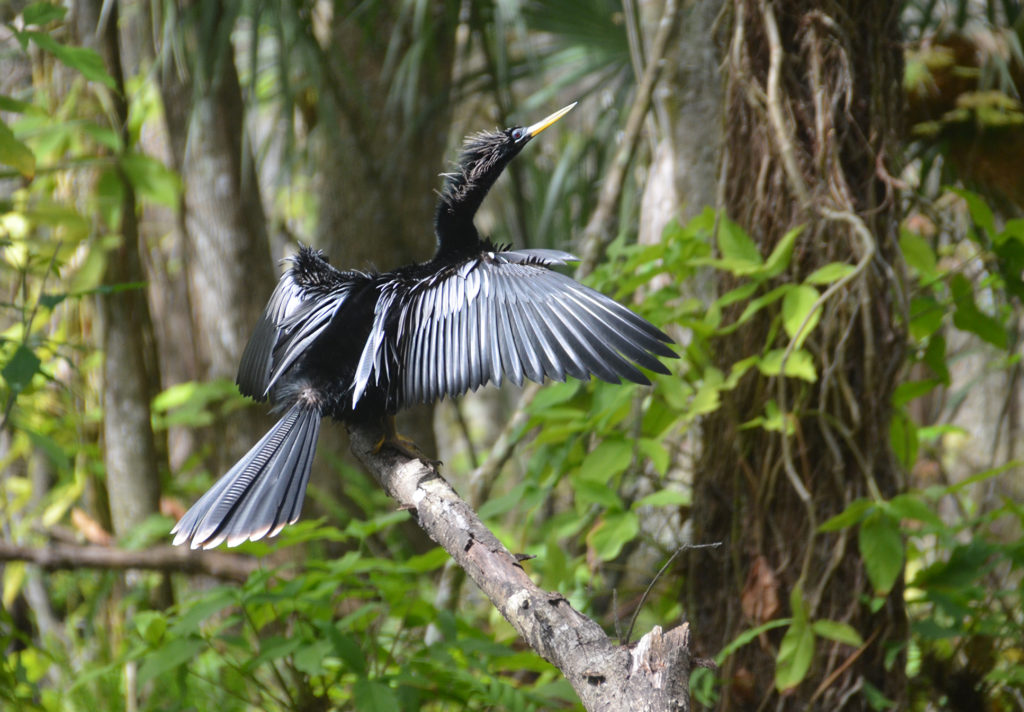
{"x": 651, "y": 676}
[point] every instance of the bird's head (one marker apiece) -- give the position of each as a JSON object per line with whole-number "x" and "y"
{"x": 485, "y": 154}
{"x": 484, "y": 157}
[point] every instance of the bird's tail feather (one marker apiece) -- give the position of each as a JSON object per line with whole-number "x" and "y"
{"x": 262, "y": 492}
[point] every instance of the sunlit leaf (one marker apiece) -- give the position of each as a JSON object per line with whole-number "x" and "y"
{"x": 918, "y": 254}
{"x": 799, "y": 315}
{"x": 15, "y": 154}
{"x": 736, "y": 246}
{"x": 853, "y": 513}
{"x": 606, "y": 461}
{"x": 780, "y": 257}
{"x": 881, "y": 548}
{"x": 837, "y": 631}
{"x": 832, "y": 272}
{"x": 612, "y": 532}
{"x": 800, "y": 364}
{"x": 796, "y": 651}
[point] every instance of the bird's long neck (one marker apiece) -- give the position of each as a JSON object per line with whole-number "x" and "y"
{"x": 461, "y": 197}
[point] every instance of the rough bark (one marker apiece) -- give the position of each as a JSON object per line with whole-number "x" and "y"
{"x": 683, "y": 174}
{"x": 129, "y": 366}
{"x": 223, "y": 225}
{"x": 649, "y": 676}
{"x": 811, "y": 111}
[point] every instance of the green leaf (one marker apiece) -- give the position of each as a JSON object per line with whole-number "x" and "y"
{"x": 832, "y": 272}
{"x": 373, "y": 696}
{"x": 345, "y": 647}
{"x": 310, "y": 658}
{"x": 15, "y": 154}
{"x": 797, "y": 306}
{"x": 553, "y": 394}
{"x": 606, "y": 461}
{"x": 83, "y": 59}
{"x": 656, "y": 452}
{"x": 798, "y": 365}
{"x": 748, "y": 635}
{"x": 49, "y": 301}
{"x": 587, "y": 492}
{"x": 49, "y": 446}
{"x": 151, "y": 626}
{"x": 152, "y": 179}
{"x": 178, "y": 651}
{"x": 837, "y": 631}
{"x": 911, "y": 506}
{"x": 918, "y": 254}
{"x": 16, "y": 106}
{"x": 796, "y": 651}
{"x": 853, "y": 513}
{"x": 881, "y": 547}
{"x": 781, "y": 256}
{"x": 981, "y": 214}
{"x": 42, "y": 13}
{"x": 903, "y": 438}
{"x": 968, "y": 317}
{"x": 911, "y": 390}
{"x": 926, "y": 317}
{"x": 613, "y": 532}
{"x": 735, "y": 245}
{"x": 18, "y": 372}
{"x": 755, "y": 305}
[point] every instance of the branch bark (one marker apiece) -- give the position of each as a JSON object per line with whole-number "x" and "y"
{"x": 649, "y": 676}
{"x": 170, "y": 559}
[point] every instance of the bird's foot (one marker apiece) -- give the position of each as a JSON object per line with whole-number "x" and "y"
{"x": 404, "y": 446}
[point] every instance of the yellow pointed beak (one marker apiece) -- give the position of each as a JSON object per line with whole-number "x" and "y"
{"x": 536, "y": 128}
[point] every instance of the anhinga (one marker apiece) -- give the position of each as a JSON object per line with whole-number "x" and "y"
{"x": 359, "y": 346}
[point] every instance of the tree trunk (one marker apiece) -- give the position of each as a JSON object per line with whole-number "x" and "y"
{"x": 812, "y": 102}
{"x": 229, "y": 265}
{"x": 129, "y": 366}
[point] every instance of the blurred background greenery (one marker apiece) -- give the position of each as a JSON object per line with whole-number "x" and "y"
{"x": 158, "y": 158}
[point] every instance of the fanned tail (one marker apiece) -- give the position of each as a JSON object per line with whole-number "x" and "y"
{"x": 262, "y": 492}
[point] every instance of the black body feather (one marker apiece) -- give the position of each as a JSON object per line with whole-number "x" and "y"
{"x": 358, "y": 346}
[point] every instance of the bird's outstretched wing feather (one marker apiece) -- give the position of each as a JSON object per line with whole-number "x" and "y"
{"x": 504, "y": 315}
{"x": 296, "y": 314}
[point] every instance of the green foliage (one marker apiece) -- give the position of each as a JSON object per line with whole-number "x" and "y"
{"x": 344, "y": 631}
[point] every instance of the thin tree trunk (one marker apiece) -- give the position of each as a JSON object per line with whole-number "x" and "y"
{"x": 223, "y": 226}
{"x": 812, "y": 106}
{"x": 129, "y": 367}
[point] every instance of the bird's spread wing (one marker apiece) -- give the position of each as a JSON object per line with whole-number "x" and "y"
{"x": 293, "y": 318}
{"x": 504, "y": 314}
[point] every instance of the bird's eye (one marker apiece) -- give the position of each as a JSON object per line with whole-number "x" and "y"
{"x": 518, "y": 134}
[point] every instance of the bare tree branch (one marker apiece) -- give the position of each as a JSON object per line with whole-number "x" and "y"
{"x": 652, "y": 675}
{"x": 171, "y": 559}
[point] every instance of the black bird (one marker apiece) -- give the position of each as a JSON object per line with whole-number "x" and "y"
{"x": 359, "y": 346}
